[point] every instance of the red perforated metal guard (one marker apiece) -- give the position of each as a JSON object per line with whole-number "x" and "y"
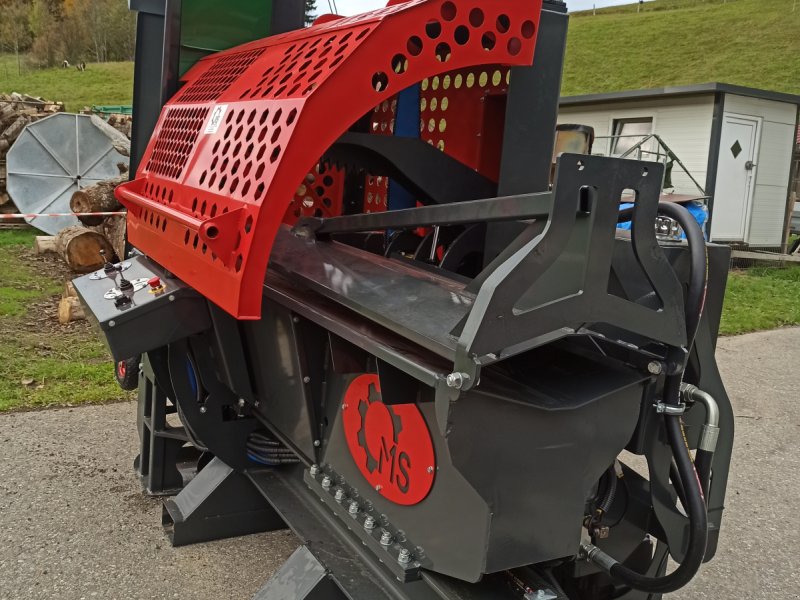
{"x": 209, "y": 212}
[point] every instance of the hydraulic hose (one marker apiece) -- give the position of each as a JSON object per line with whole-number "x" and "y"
{"x": 695, "y": 500}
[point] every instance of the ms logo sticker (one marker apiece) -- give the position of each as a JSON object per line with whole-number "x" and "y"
{"x": 216, "y": 118}
{"x": 391, "y": 445}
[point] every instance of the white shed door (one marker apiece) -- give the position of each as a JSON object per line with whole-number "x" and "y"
{"x": 733, "y": 193}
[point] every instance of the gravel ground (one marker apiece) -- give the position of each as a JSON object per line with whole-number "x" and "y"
{"x": 74, "y": 524}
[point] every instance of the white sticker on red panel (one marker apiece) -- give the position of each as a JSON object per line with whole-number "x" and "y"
{"x": 216, "y": 118}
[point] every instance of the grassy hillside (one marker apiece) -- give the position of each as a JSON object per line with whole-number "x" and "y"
{"x": 671, "y": 42}
{"x": 101, "y": 83}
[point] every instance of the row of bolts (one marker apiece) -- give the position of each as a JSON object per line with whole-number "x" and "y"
{"x": 404, "y": 557}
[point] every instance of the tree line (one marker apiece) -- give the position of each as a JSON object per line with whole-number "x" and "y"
{"x": 54, "y": 31}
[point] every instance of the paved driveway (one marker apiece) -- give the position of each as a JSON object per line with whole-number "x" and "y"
{"x": 73, "y": 523}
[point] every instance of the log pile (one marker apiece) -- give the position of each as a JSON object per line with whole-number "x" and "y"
{"x": 100, "y": 198}
{"x": 16, "y": 111}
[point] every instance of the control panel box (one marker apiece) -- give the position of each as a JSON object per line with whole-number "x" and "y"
{"x": 140, "y": 306}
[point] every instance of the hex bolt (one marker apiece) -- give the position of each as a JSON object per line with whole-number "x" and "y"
{"x": 456, "y": 380}
{"x": 430, "y": 469}
{"x": 203, "y": 410}
{"x": 295, "y": 319}
{"x": 241, "y": 402}
{"x": 339, "y": 495}
{"x": 353, "y": 509}
{"x": 386, "y": 538}
{"x": 378, "y": 487}
{"x": 172, "y": 298}
{"x": 369, "y": 523}
{"x": 314, "y": 470}
{"x": 404, "y": 557}
{"x": 317, "y": 443}
{"x": 112, "y": 323}
{"x": 306, "y": 379}
{"x": 654, "y": 367}
{"x": 326, "y": 482}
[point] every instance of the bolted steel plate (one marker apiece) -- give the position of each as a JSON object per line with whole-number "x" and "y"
{"x": 53, "y": 158}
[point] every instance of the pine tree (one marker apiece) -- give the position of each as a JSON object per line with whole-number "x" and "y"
{"x": 311, "y": 11}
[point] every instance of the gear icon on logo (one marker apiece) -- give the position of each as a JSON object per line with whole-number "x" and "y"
{"x": 374, "y": 396}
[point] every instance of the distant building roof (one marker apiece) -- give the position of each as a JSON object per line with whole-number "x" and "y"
{"x": 679, "y": 90}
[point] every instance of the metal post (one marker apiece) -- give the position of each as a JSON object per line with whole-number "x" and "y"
{"x": 531, "y": 116}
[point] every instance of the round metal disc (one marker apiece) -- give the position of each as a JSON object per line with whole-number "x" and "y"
{"x": 53, "y": 158}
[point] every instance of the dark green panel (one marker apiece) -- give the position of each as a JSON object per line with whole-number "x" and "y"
{"x": 210, "y": 26}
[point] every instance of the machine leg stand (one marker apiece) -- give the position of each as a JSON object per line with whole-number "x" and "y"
{"x": 162, "y": 447}
{"x": 218, "y": 503}
{"x": 301, "y": 577}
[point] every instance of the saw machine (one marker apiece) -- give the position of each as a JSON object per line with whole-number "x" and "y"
{"x": 381, "y": 324}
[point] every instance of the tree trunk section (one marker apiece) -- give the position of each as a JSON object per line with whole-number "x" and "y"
{"x": 80, "y": 248}
{"x": 44, "y": 243}
{"x": 114, "y": 230}
{"x": 96, "y": 198}
{"x": 70, "y": 309}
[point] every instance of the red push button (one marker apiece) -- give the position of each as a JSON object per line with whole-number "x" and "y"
{"x": 154, "y": 282}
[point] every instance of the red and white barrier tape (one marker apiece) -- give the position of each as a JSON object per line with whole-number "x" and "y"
{"x": 69, "y": 214}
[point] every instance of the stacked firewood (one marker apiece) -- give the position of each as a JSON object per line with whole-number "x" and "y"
{"x": 80, "y": 245}
{"x": 16, "y": 111}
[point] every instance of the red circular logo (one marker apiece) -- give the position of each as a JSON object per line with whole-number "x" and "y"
{"x": 391, "y": 445}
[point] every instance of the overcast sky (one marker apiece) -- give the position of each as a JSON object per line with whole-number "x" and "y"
{"x": 351, "y": 7}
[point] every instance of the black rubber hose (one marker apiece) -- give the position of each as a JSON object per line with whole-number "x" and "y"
{"x": 695, "y": 500}
{"x": 698, "y": 275}
{"x": 702, "y": 464}
{"x": 676, "y": 483}
{"x": 698, "y": 525}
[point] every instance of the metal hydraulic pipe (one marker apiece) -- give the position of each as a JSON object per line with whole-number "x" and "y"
{"x": 708, "y": 436}
{"x": 710, "y": 431}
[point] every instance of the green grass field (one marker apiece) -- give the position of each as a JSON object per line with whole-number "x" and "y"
{"x": 672, "y": 42}
{"x": 101, "y": 83}
{"x": 43, "y": 363}
{"x": 761, "y": 298}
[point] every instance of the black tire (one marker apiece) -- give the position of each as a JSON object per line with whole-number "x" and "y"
{"x": 127, "y": 373}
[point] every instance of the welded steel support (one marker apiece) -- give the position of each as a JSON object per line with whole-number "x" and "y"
{"x": 218, "y": 503}
{"x": 160, "y": 445}
{"x": 155, "y": 71}
{"x": 530, "y": 125}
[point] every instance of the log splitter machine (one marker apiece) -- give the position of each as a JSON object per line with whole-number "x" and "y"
{"x": 382, "y": 325}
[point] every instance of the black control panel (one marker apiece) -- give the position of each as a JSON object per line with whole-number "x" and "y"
{"x": 140, "y": 306}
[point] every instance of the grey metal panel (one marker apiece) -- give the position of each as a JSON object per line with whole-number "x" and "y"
{"x": 278, "y": 373}
{"x": 350, "y": 564}
{"x": 418, "y": 304}
{"x": 297, "y": 578}
{"x": 451, "y": 524}
{"x": 382, "y": 343}
{"x": 151, "y": 320}
{"x": 52, "y": 159}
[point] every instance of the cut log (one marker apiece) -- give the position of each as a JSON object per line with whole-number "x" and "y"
{"x": 121, "y": 143}
{"x": 114, "y": 230}
{"x": 69, "y": 290}
{"x": 12, "y": 131}
{"x": 96, "y": 198}
{"x": 80, "y": 248}
{"x": 70, "y": 309}
{"x": 44, "y": 243}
